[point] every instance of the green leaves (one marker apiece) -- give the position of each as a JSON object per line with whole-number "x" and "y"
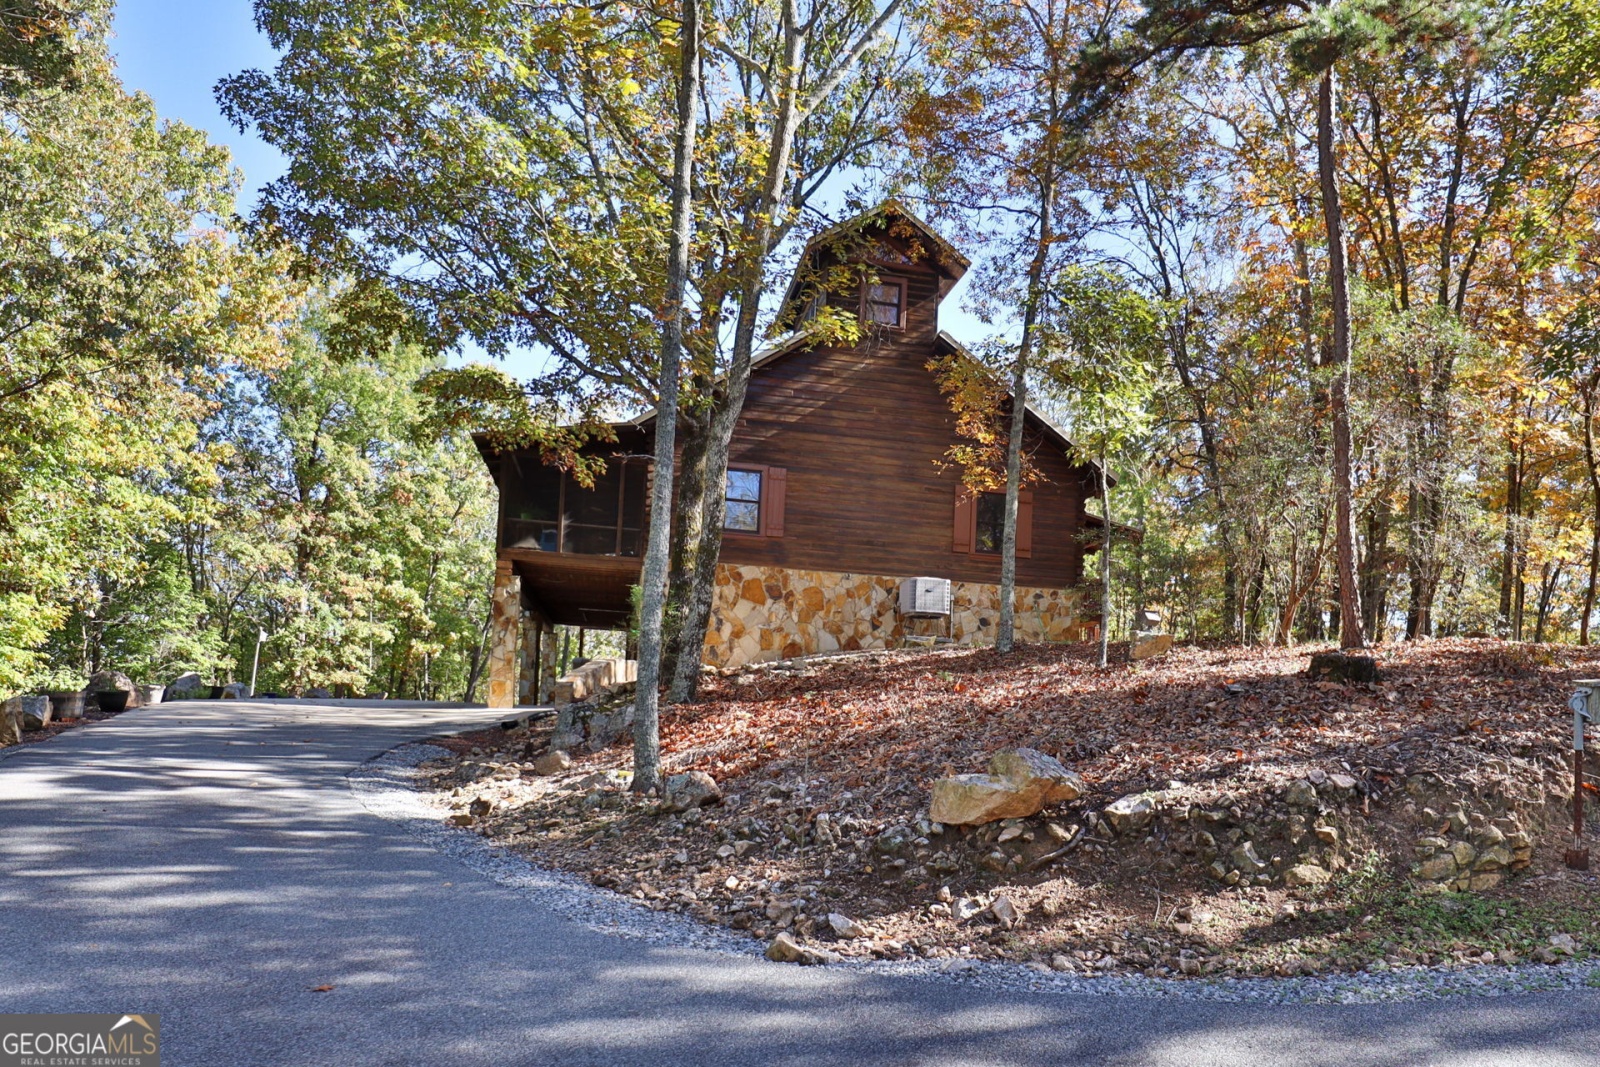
{"x": 42, "y": 43}
{"x": 493, "y": 166}
{"x": 1100, "y": 348}
{"x": 121, "y": 299}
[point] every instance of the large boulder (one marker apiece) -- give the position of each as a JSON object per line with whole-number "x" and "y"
{"x": 11, "y": 722}
{"x": 101, "y": 681}
{"x": 236, "y": 691}
{"x": 186, "y": 686}
{"x": 1148, "y": 646}
{"x": 317, "y": 692}
{"x": 1020, "y": 782}
{"x": 593, "y": 725}
{"x": 35, "y": 712}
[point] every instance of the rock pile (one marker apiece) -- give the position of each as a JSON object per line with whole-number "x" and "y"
{"x": 1473, "y": 859}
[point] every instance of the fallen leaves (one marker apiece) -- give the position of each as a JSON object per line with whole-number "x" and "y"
{"x": 915, "y": 716}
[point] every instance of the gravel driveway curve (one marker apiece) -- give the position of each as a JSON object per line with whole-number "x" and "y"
{"x": 211, "y": 861}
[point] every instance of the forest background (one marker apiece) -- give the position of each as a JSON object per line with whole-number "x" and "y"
{"x": 206, "y": 436}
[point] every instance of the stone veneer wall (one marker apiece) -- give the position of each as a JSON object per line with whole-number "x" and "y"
{"x": 769, "y": 613}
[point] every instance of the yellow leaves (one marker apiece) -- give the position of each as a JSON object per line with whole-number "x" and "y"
{"x": 628, "y": 87}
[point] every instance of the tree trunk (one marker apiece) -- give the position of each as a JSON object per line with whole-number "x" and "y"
{"x": 653, "y": 579}
{"x": 1005, "y": 629}
{"x": 1351, "y": 634}
{"x": 688, "y": 531}
{"x": 1547, "y": 589}
{"x": 1508, "y": 551}
{"x": 1105, "y": 564}
{"x": 479, "y": 656}
{"x": 1594, "y": 492}
{"x": 763, "y": 235}
{"x": 1372, "y": 569}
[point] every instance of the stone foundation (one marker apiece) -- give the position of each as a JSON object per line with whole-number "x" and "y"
{"x": 770, "y": 613}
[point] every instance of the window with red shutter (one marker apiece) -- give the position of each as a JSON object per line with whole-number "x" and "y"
{"x": 756, "y": 500}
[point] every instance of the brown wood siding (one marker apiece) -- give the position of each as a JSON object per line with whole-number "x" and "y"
{"x": 863, "y": 433}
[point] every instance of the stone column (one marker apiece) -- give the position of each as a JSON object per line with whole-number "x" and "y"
{"x": 528, "y": 661}
{"x": 549, "y": 657}
{"x": 503, "y": 641}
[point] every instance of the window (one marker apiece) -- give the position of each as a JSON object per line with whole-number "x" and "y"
{"x": 885, "y": 303}
{"x": 744, "y": 502}
{"x": 991, "y": 528}
{"x": 814, "y": 306}
{"x": 549, "y": 510}
{"x": 980, "y": 524}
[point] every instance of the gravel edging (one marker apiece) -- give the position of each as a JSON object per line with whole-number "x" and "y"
{"x": 387, "y": 786}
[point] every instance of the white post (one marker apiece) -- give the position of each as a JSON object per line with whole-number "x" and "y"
{"x": 261, "y": 635}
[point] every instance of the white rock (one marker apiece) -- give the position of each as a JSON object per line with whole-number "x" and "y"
{"x": 551, "y": 763}
{"x": 1129, "y": 814}
{"x": 1245, "y": 859}
{"x": 1005, "y": 910}
{"x": 785, "y": 949}
{"x": 844, "y": 926}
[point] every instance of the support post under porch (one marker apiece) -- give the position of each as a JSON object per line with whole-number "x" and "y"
{"x": 528, "y": 658}
{"x": 505, "y": 622}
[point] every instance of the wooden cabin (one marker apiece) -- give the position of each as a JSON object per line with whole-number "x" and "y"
{"x": 840, "y": 488}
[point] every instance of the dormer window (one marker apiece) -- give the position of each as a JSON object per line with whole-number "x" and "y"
{"x": 814, "y": 306}
{"x": 885, "y": 302}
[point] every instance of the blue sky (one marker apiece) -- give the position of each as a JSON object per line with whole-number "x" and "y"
{"x": 177, "y": 50}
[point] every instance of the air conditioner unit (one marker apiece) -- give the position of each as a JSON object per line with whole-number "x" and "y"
{"x": 929, "y": 597}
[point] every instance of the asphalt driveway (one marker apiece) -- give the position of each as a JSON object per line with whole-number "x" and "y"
{"x": 208, "y": 861}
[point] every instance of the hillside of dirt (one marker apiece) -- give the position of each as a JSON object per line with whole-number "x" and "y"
{"x": 1242, "y": 817}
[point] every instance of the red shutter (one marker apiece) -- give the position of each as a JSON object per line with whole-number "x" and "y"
{"x": 966, "y": 516}
{"x": 1025, "y": 524}
{"x": 775, "y": 488}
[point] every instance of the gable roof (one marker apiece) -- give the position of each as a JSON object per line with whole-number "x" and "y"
{"x": 949, "y": 260}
